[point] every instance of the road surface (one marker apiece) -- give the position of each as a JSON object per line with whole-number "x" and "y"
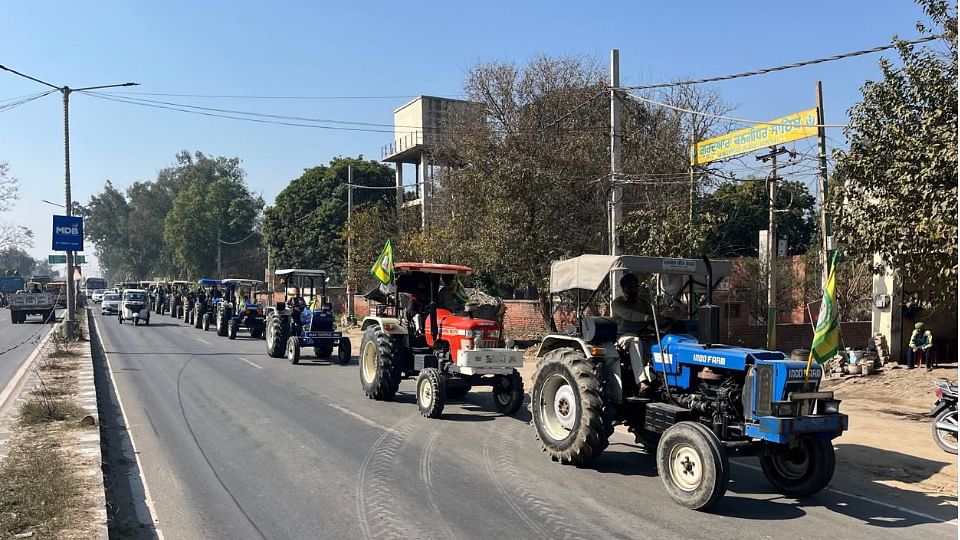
{"x": 17, "y": 341}
{"x": 235, "y": 444}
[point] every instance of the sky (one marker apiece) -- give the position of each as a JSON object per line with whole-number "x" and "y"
{"x": 385, "y": 52}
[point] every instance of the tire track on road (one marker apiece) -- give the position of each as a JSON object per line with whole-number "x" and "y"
{"x": 426, "y": 477}
{"x": 547, "y": 520}
{"x": 204, "y": 454}
{"x": 375, "y": 483}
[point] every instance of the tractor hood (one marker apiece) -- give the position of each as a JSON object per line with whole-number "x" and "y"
{"x": 452, "y": 322}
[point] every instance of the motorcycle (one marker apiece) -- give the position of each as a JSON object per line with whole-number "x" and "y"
{"x": 945, "y": 416}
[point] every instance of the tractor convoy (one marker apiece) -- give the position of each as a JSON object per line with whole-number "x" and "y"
{"x": 692, "y": 402}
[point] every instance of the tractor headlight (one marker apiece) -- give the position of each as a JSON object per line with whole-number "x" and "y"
{"x": 828, "y": 406}
{"x": 466, "y": 344}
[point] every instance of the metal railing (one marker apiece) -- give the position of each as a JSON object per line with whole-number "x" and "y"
{"x": 401, "y": 143}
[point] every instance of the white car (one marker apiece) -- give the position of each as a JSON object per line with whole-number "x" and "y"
{"x": 97, "y": 296}
{"x": 110, "y": 305}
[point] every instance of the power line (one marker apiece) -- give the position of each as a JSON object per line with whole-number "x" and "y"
{"x": 22, "y": 101}
{"x": 267, "y": 97}
{"x": 224, "y": 242}
{"x": 784, "y": 67}
{"x": 718, "y": 116}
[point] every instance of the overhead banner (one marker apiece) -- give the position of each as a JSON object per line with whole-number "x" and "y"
{"x": 792, "y": 127}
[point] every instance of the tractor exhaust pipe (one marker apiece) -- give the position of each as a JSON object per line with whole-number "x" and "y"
{"x": 708, "y": 325}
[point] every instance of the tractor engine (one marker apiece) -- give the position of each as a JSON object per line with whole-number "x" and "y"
{"x": 463, "y": 334}
{"x": 739, "y": 391}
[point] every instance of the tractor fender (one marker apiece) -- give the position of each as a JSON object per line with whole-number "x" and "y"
{"x": 556, "y": 341}
{"x": 389, "y": 325}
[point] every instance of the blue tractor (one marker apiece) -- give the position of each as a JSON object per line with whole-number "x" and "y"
{"x": 206, "y": 302}
{"x": 304, "y": 318}
{"x": 241, "y": 308}
{"x": 693, "y": 400}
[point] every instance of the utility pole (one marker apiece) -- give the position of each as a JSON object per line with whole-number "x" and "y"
{"x": 350, "y": 308}
{"x": 615, "y": 202}
{"x": 219, "y": 260}
{"x": 70, "y": 316}
{"x": 771, "y": 262}
{"x": 825, "y": 233}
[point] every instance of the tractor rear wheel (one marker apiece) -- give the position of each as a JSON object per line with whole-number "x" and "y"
{"x": 276, "y": 337}
{"x": 232, "y": 329}
{"x": 567, "y": 408}
{"x": 693, "y": 465}
{"x": 221, "y": 324}
{"x": 379, "y": 366}
{"x": 508, "y": 393}
{"x": 801, "y": 470}
{"x": 293, "y": 350}
{"x": 431, "y": 392}
{"x": 344, "y": 351}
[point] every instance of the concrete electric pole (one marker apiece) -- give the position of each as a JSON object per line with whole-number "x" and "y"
{"x": 70, "y": 315}
{"x": 615, "y": 201}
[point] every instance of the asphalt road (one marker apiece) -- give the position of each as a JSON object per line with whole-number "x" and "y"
{"x": 235, "y": 444}
{"x": 19, "y": 336}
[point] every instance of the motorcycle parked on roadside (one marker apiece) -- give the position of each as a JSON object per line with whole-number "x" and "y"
{"x": 945, "y": 416}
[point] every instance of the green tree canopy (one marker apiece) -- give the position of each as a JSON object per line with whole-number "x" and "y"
{"x": 896, "y": 186}
{"x": 305, "y": 226}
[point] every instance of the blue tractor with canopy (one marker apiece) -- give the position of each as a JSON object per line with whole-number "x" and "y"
{"x": 677, "y": 390}
{"x": 304, "y": 318}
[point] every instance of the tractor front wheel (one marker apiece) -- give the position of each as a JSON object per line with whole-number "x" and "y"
{"x": 206, "y": 322}
{"x": 693, "y": 465}
{"x": 232, "y": 329}
{"x": 800, "y": 470}
{"x": 567, "y": 409}
{"x": 276, "y": 337}
{"x": 379, "y": 366}
{"x": 508, "y": 393}
{"x": 431, "y": 392}
{"x": 221, "y": 324}
{"x": 293, "y": 350}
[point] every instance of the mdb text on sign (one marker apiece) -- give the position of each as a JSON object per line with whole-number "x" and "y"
{"x": 67, "y": 233}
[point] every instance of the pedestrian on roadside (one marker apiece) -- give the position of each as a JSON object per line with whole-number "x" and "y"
{"x": 921, "y": 347}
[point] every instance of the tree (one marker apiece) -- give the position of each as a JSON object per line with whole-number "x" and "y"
{"x": 212, "y": 203}
{"x": 736, "y": 212}
{"x": 11, "y": 234}
{"x": 105, "y": 224}
{"x": 895, "y": 188}
{"x": 305, "y": 226}
{"x": 15, "y": 261}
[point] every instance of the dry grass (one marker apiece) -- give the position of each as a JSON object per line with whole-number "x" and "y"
{"x": 45, "y": 410}
{"x": 39, "y": 492}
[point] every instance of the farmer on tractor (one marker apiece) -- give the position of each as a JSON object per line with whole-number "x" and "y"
{"x": 297, "y": 304}
{"x": 632, "y": 313}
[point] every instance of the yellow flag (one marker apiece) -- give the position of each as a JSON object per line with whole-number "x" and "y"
{"x": 382, "y": 269}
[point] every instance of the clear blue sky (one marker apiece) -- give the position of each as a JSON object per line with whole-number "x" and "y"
{"x": 374, "y": 49}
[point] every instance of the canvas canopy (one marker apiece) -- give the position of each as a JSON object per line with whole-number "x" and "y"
{"x": 300, "y": 272}
{"x": 590, "y": 271}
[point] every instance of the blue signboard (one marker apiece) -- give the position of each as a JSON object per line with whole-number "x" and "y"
{"x": 67, "y": 233}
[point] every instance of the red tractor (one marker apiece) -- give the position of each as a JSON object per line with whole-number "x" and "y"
{"x": 426, "y": 329}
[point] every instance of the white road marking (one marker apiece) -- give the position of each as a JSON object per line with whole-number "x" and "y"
{"x": 249, "y": 362}
{"x": 867, "y": 499}
{"x": 360, "y": 417}
{"x": 204, "y": 341}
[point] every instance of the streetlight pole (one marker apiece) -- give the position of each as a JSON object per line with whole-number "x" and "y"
{"x": 65, "y": 90}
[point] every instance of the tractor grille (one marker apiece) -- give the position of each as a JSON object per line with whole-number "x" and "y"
{"x": 489, "y": 344}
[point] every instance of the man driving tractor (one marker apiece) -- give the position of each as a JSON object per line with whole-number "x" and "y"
{"x": 297, "y": 304}
{"x": 633, "y": 315}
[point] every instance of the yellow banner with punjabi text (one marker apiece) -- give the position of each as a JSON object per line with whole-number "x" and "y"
{"x": 782, "y": 130}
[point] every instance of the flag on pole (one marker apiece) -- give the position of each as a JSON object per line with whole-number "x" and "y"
{"x": 826, "y": 335}
{"x": 382, "y": 269}
{"x": 459, "y": 292}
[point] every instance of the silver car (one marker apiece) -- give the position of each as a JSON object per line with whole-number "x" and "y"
{"x": 110, "y": 304}
{"x": 97, "y": 296}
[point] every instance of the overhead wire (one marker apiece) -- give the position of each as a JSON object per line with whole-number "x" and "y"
{"x": 784, "y": 67}
{"x": 268, "y": 97}
{"x": 719, "y": 116}
{"x": 24, "y": 100}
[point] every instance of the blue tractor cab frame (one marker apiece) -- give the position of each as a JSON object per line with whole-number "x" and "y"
{"x": 290, "y": 330}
